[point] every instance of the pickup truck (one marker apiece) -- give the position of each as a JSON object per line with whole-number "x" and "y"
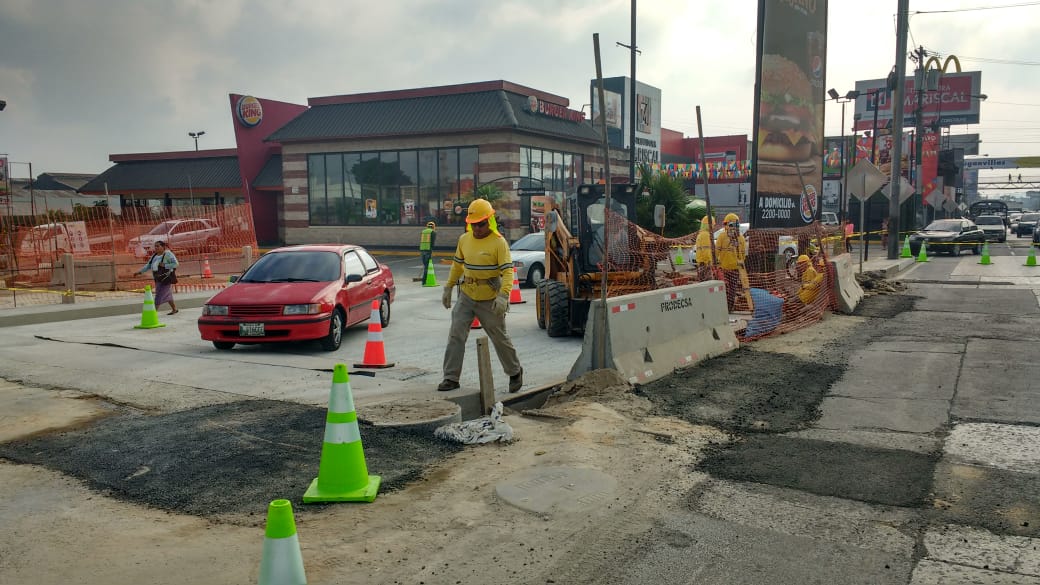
{"x": 180, "y": 235}
{"x": 58, "y": 238}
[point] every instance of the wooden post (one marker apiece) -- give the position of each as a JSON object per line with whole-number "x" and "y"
{"x": 247, "y": 257}
{"x": 487, "y": 382}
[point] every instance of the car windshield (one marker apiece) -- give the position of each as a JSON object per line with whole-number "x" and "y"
{"x": 535, "y": 241}
{"x": 989, "y": 220}
{"x": 294, "y": 267}
{"x": 162, "y": 228}
{"x": 1029, "y": 217}
{"x": 946, "y": 225}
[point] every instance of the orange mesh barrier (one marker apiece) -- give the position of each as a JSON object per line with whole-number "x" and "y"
{"x": 790, "y": 294}
{"x": 109, "y": 248}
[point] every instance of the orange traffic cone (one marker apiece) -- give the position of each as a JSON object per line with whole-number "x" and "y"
{"x": 514, "y": 295}
{"x": 475, "y": 324}
{"x": 374, "y": 355}
{"x": 206, "y": 272}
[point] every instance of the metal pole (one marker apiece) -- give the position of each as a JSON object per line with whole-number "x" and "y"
{"x": 919, "y": 81}
{"x": 902, "y": 24}
{"x": 600, "y": 356}
{"x": 844, "y": 185}
{"x": 632, "y": 130}
{"x": 707, "y": 197}
{"x": 873, "y": 160}
{"x": 862, "y": 245}
{"x": 111, "y": 235}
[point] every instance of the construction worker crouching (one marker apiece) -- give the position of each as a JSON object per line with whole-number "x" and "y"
{"x": 483, "y": 262}
{"x": 731, "y": 248}
{"x": 811, "y": 280}
{"x": 427, "y": 240}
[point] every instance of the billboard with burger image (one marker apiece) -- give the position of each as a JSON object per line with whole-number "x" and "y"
{"x": 787, "y": 152}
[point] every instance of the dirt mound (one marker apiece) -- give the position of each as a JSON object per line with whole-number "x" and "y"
{"x": 874, "y": 283}
{"x": 595, "y": 386}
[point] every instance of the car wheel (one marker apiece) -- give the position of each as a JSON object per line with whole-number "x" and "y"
{"x": 384, "y": 310}
{"x": 335, "y": 337}
{"x": 535, "y": 275}
{"x": 225, "y": 345}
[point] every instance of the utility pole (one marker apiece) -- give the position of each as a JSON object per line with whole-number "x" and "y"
{"x": 902, "y": 24}
{"x": 920, "y": 81}
{"x": 631, "y": 101}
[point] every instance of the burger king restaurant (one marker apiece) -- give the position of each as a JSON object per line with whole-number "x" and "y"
{"x": 372, "y": 168}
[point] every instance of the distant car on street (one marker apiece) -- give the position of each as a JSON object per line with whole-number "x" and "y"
{"x": 528, "y": 255}
{"x": 1026, "y": 224}
{"x": 829, "y": 218}
{"x": 993, "y": 226}
{"x": 950, "y": 236}
{"x": 299, "y": 293}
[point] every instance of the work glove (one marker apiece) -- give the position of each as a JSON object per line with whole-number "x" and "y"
{"x": 446, "y": 297}
{"x": 501, "y": 306}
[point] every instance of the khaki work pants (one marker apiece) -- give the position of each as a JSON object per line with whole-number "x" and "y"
{"x": 461, "y": 318}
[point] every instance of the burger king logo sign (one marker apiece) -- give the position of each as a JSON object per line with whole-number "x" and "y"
{"x": 249, "y": 111}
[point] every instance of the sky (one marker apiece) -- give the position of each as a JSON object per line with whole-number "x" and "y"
{"x": 84, "y": 79}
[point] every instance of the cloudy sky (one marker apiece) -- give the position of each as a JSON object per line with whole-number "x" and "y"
{"x": 87, "y": 78}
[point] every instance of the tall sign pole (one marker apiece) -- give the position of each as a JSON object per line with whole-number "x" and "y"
{"x": 902, "y": 24}
{"x": 632, "y": 98}
{"x": 600, "y": 355}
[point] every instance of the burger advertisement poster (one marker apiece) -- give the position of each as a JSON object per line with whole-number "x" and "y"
{"x": 787, "y": 154}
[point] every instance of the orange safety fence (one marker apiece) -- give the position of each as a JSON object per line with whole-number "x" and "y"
{"x": 767, "y": 287}
{"x": 108, "y": 249}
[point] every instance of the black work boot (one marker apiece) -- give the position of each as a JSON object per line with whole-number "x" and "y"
{"x": 448, "y": 385}
{"x": 515, "y": 382}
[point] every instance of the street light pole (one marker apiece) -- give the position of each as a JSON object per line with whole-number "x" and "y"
{"x": 196, "y": 135}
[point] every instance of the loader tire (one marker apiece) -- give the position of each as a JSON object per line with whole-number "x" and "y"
{"x": 558, "y": 309}
{"x": 539, "y": 303}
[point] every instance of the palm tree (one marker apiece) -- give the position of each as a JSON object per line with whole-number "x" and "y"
{"x": 680, "y": 220}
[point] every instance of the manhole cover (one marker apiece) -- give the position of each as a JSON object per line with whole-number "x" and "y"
{"x": 547, "y": 490}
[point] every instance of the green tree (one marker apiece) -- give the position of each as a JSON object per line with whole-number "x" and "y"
{"x": 666, "y": 190}
{"x": 489, "y": 191}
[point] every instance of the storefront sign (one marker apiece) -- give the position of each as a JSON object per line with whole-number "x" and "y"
{"x": 249, "y": 111}
{"x": 537, "y": 106}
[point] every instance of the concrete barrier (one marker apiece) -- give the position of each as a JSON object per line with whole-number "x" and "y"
{"x": 649, "y": 335}
{"x": 846, "y": 288}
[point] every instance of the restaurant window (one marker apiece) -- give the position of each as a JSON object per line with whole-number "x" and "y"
{"x": 316, "y": 190}
{"x": 368, "y": 176}
{"x": 353, "y": 204}
{"x": 429, "y": 198}
{"x": 411, "y": 212}
{"x": 334, "y": 187}
{"x": 390, "y": 188}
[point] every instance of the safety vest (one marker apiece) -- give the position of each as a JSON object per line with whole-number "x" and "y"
{"x": 424, "y": 239}
{"x": 703, "y": 247}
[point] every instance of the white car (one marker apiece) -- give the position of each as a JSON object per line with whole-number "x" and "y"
{"x": 529, "y": 258}
{"x": 179, "y": 235}
{"x": 993, "y": 227}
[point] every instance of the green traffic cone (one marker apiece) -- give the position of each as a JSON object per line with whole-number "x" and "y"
{"x": 431, "y": 278}
{"x": 985, "y": 254}
{"x": 1031, "y": 260}
{"x": 679, "y": 258}
{"x": 149, "y": 316}
{"x": 906, "y": 249}
{"x": 281, "y": 562}
{"x": 922, "y": 256}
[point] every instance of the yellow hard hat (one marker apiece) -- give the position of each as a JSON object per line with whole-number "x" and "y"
{"x": 731, "y": 218}
{"x": 705, "y": 223}
{"x": 803, "y": 259}
{"x": 479, "y": 210}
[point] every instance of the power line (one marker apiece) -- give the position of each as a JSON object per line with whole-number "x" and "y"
{"x": 996, "y": 61}
{"x": 976, "y": 8}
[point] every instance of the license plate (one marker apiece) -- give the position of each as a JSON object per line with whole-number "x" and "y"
{"x": 251, "y": 329}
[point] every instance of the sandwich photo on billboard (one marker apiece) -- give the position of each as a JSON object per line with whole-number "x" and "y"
{"x": 787, "y": 133}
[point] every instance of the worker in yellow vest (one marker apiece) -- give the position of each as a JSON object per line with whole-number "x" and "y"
{"x": 702, "y": 250}
{"x": 731, "y": 249}
{"x": 427, "y": 239}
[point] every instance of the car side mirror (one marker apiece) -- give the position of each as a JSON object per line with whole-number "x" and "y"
{"x": 233, "y": 278}
{"x": 353, "y": 278}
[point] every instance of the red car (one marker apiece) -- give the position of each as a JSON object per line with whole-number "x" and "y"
{"x": 299, "y": 293}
